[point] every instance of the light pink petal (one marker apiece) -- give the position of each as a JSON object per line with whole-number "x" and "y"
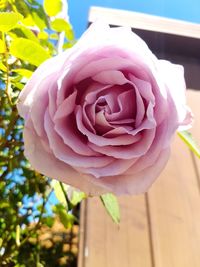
{"x": 173, "y": 75}
{"x": 112, "y": 105}
{"x": 47, "y": 68}
{"x": 144, "y": 88}
{"x": 66, "y": 107}
{"x": 140, "y": 182}
{"x": 98, "y": 139}
{"x": 127, "y": 107}
{"x": 122, "y": 122}
{"x": 46, "y": 163}
{"x": 128, "y": 152}
{"x": 52, "y": 95}
{"x": 110, "y": 63}
{"x": 100, "y": 34}
{"x": 157, "y": 146}
{"x": 101, "y": 124}
{"x": 150, "y": 114}
{"x": 89, "y": 117}
{"x": 66, "y": 154}
{"x": 140, "y": 111}
{"x": 91, "y": 93}
{"x": 116, "y": 167}
{"x": 68, "y": 131}
{"x": 40, "y": 103}
{"x": 110, "y": 77}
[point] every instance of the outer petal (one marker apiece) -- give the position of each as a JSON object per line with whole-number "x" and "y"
{"x": 139, "y": 182}
{"x": 173, "y": 75}
{"x": 47, "y": 68}
{"x": 41, "y": 160}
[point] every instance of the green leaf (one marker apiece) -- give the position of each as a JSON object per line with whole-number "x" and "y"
{"x": 24, "y": 32}
{"x": 110, "y": 202}
{"x": 190, "y": 142}
{"x": 4, "y": 204}
{"x": 17, "y": 238}
{"x": 52, "y": 7}
{"x": 2, "y": 67}
{"x": 67, "y": 219}
{"x": 69, "y": 33}
{"x": 59, "y": 193}
{"x": 49, "y": 221}
{"x": 23, "y": 72}
{"x": 43, "y": 35}
{"x": 59, "y": 25}
{"x": 3, "y": 4}
{"x": 77, "y": 197}
{"x": 2, "y": 47}
{"x": 28, "y": 50}
{"x": 8, "y": 20}
{"x": 39, "y": 21}
{"x": 54, "y": 36}
{"x": 21, "y": 7}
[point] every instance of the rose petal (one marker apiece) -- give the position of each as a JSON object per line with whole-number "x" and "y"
{"x": 110, "y": 77}
{"x": 26, "y": 97}
{"x": 128, "y": 152}
{"x": 66, "y": 154}
{"x": 70, "y": 135}
{"x": 139, "y": 182}
{"x": 100, "y": 140}
{"x": 66, "y": 107}
{"x": 173, "y": 75}
{"x": 41, "y": 160}
{"x": 116, "y": 167}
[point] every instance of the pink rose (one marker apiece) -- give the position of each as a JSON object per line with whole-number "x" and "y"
{"x": 101, "y": 115}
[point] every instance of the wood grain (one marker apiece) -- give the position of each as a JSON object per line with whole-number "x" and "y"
{"x": 193, "y": 98}
{"x": 107, "y": 244}
{"x": 174, "y": 202}
{"x": 144, "y": 21}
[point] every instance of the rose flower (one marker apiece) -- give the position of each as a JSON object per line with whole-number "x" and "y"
{"x": 101, "y": 115}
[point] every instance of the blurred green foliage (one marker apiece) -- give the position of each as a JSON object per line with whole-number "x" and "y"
{"x": 29, "y": 34}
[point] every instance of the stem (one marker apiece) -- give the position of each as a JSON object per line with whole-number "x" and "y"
{"x": 70, "y": 207}
{"x": 10, "y": 127}
{"x": 8, "y": 86}
{"x": 61, "y": 40}
{"x": 39, "y": 220}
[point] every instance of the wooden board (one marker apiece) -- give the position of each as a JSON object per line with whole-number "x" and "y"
{"x": 194, "y": 102}
{"x": 144, "y": 21}
{"x": 159, "y": 229}
{"x": 106, "y": 244}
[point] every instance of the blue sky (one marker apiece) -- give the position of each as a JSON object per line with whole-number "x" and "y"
{"x": 188, "y": 10}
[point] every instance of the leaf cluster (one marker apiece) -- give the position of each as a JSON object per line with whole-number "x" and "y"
{"x": 29, "y": 34}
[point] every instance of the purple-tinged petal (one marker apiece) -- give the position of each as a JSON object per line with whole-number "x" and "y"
{"x": 66, "y": 154}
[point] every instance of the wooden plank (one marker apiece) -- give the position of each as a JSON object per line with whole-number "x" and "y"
{"x": 82, "y": 232}
{"x": 144, "y": 21}
{"x": 174, "y": 202}
{"x": 193, "y": 98}
{"x": 107, "y": 244}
